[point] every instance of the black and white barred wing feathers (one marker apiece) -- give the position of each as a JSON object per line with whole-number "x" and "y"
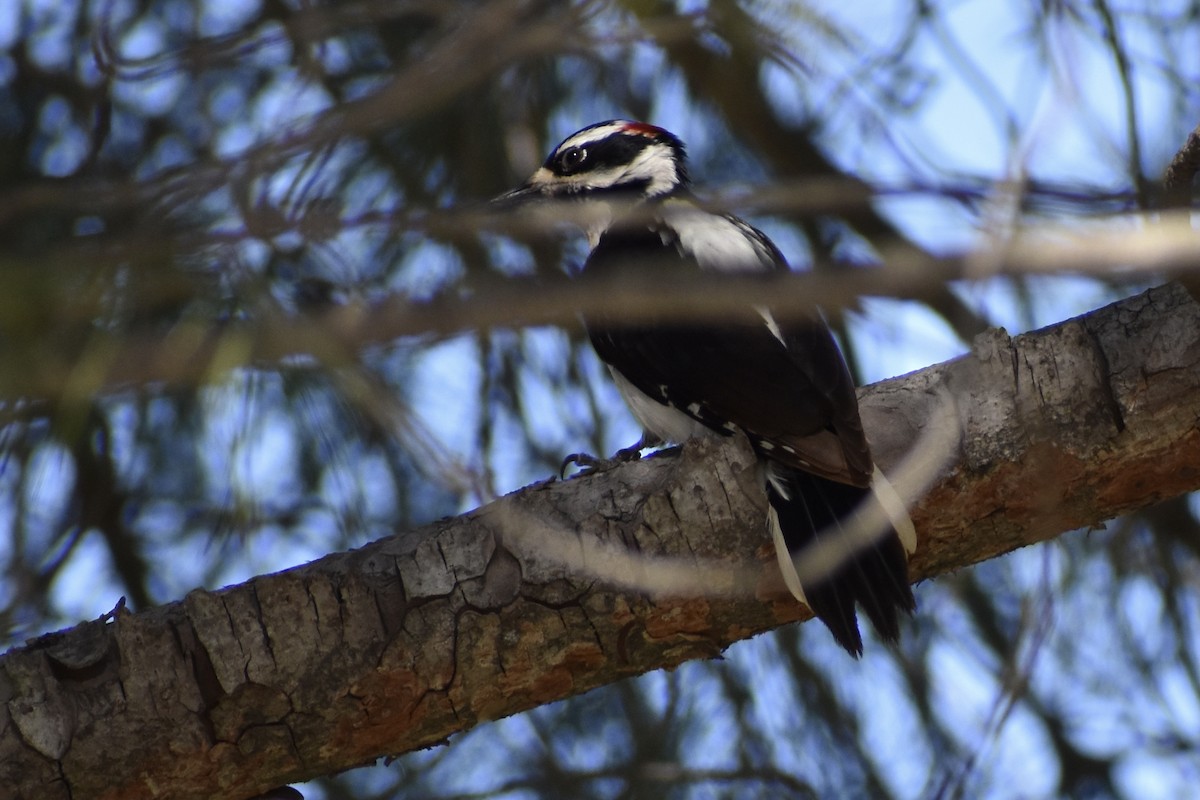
{"x": 738, "y": 377}
{"x": 783, "y": 383}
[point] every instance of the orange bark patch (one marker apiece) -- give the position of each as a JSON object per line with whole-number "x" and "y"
{"x": 671, "y": 618}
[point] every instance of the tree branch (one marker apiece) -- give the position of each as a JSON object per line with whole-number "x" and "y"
{"x": 401, "y": 643}
{"x": 1180, "y": 176}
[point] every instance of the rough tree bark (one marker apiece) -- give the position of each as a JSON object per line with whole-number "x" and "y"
{"x": 398, "y": 644}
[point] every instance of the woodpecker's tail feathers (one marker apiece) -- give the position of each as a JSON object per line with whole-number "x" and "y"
{"x": 841, "y": 545}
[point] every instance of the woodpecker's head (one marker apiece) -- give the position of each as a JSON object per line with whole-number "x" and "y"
{"x": 599, "y": 172}
{"x": 610, "y": 160}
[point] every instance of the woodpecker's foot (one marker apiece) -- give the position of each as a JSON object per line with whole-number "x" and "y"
{"x": 589, "y": 464}
{"x": 586, "y": 463}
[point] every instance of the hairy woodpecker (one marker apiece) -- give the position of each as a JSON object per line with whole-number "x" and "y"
{"x": 784, "y": 384}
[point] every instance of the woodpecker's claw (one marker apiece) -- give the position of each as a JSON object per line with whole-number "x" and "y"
{"x": 586, "y": 462}
{"x": 589, "y": 464}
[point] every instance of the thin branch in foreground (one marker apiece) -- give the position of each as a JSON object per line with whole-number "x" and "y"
{"x": 194, "y": 352}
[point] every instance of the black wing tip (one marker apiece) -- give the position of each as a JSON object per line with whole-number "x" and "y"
{"x": 884, "y": 588}
{"x": 848, "y": 636}
{"x": 832, "y": 602}
{"x": 875, "y": 579}
{"x": 883, "y": 612}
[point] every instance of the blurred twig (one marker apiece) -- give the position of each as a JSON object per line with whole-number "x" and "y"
{"x": 196, "y": 351}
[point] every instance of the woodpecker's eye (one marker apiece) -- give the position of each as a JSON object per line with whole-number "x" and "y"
{"x": 572, "y": 159}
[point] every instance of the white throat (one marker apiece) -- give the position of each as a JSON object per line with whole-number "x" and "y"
{"x": 595, "y": 218}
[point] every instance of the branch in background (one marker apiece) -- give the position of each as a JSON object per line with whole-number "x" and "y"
{"x": 401, "y": 643}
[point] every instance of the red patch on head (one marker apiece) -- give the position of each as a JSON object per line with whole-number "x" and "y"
{"x": 643, "y": 129}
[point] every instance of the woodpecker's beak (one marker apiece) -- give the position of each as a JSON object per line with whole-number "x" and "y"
{"x": 516, "y": 197}
{"x": 543, "y": 207}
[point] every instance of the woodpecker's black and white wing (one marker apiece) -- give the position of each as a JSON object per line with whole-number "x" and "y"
{"x": 784, "y": 385}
